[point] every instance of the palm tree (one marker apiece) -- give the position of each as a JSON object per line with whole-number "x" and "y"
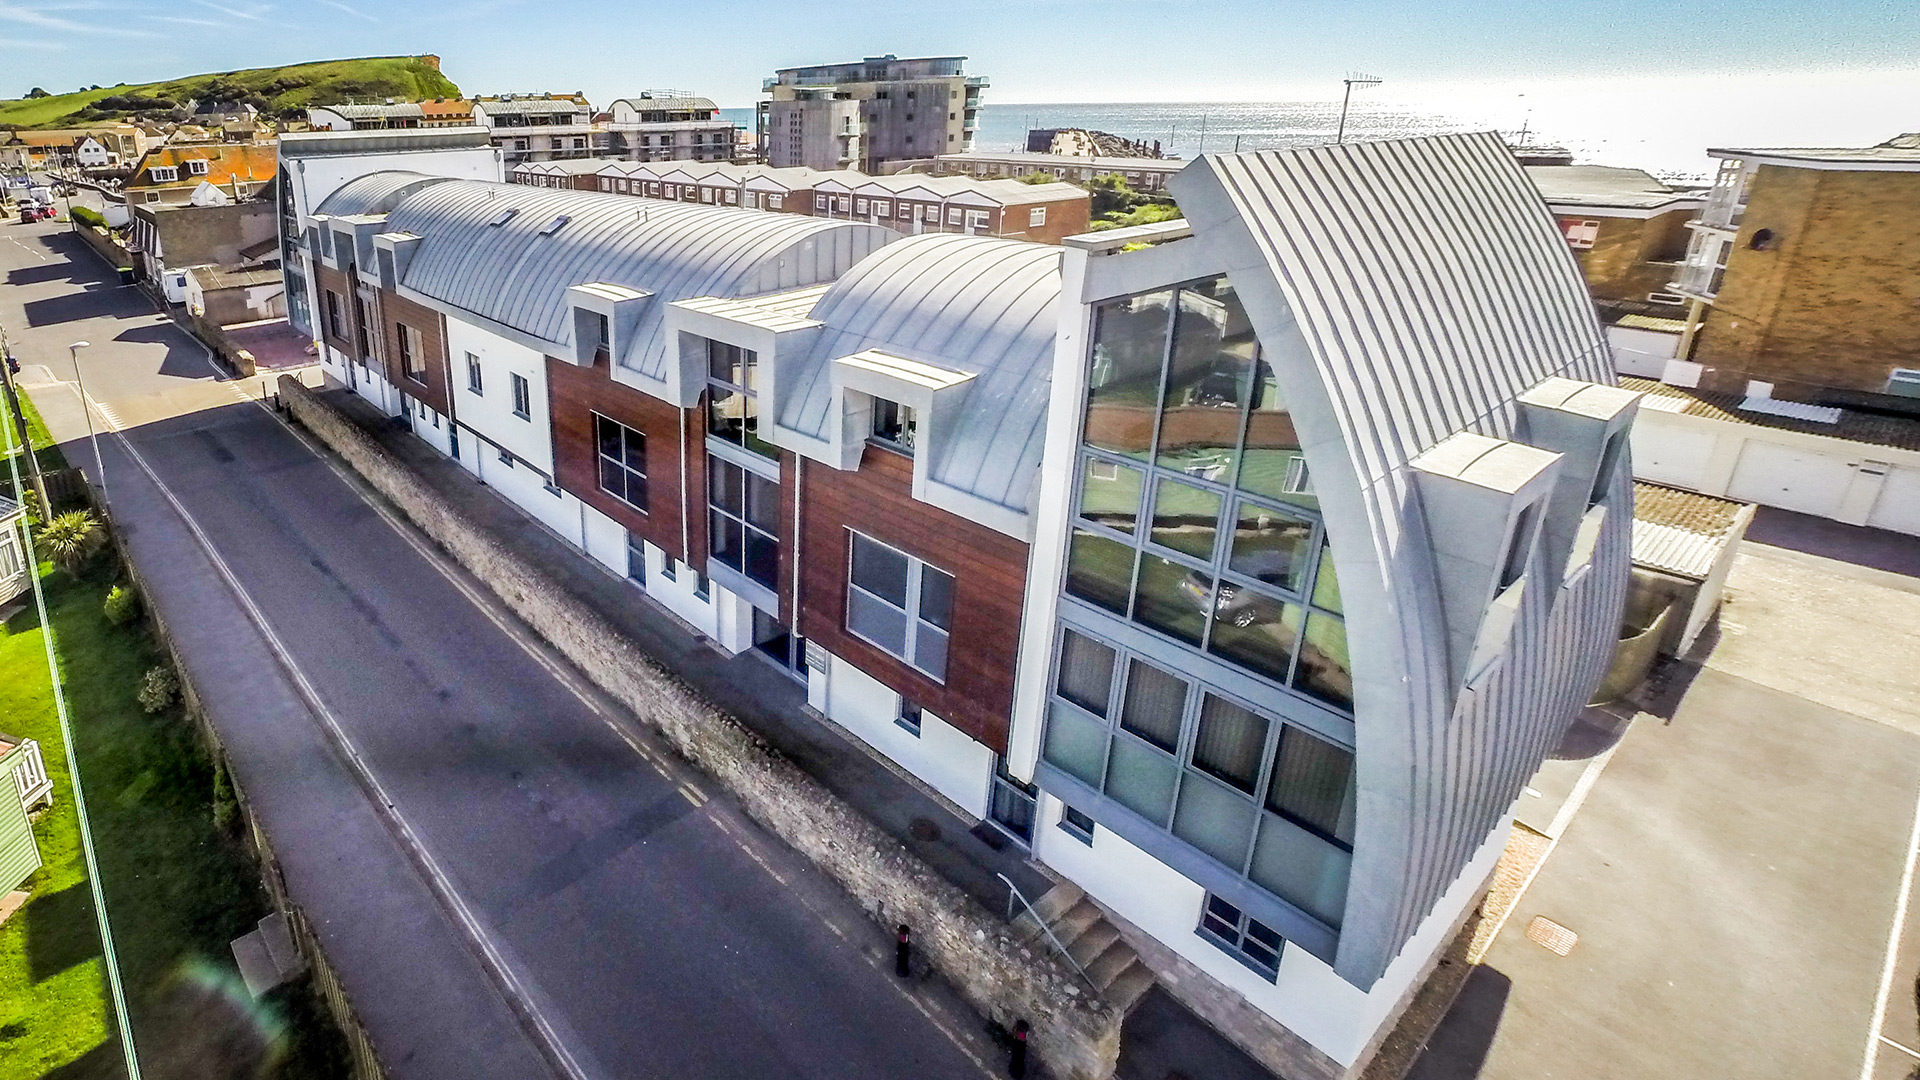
{"x": 70, "y": 539}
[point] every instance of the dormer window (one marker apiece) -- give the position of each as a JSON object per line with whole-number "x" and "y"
{"x": 894, "y": 426}
{"x": 197, "y": 167}
{"x": 603, "y": 338}
{"x": 1609, "y": 461}
{"x": 164, "y": 174}
{"x": 1513, "y": 565}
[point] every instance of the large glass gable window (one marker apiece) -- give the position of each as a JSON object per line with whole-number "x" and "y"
{"x": 1270, "y": 801}
{"x": 1195, "y": 516}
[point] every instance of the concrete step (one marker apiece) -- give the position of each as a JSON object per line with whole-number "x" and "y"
{"x": 1106, "y": 967}
{"x": 1093, "y": 941}
{"x": 1059, "y": 900}
{"x": 1128, "y": 987}
{"x": 1075, "y": 922}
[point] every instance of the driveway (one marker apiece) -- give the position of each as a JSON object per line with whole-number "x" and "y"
{"x": 1736, "y": 872}
{"x": 511, "y": 878}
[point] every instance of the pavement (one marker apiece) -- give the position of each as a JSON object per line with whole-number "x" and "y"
{"x": 1737, "y": 876}
{"x": 510, "y": 878}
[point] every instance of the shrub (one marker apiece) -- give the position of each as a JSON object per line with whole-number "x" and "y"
{"x": 122, "y": 605}
{"x": 88, "y": 216}
{"x": 70, "y": 539}
{"x": 158, "y": 689}
{"x": 226, "y": 808}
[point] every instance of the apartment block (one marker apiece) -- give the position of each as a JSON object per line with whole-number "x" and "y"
{"x": 382, "y": 116}
{"x": 669, "y": 125}
{"x": 540, "y": 127}
{"x": 1804, "y": 271}
{"x": 911, "y": 204}
{"x": 1241, "y": 569}
{"x": 864, "y": 115}
{"x": 1627, "y": 230}
{"x": 1141, "y": 174}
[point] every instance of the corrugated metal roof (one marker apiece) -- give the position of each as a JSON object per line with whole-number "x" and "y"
{"x": 301, "y": 144}
{"x": 517, "y": 273}
{"x": 969, "y": 303}
{"x": 1606, "y": 186}
{"x": 1682, "y": 532}
{"x": 667, "y": 104}
{"x": 374, "y": 111}
{"x": 375, "y": 193}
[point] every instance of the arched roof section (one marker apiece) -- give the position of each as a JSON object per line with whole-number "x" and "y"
{"x": 375, "y": 193}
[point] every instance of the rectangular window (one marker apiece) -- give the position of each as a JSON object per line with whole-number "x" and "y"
{"x": 336, "y": 321}
{"x": 894, "y": 426}
{"x": 197, "y": 167}
{"x": 164, "y": 174}
{"x": 1519, "y": 546}
{"x": 953, "y": 215}
{"x": 602, "y": 339}
{"x": 1036, "y": 217}
{"x": 473, "y": 374}
{"x": 743, "y": 521}
{"x": 859, "y": 206}
{"x": 413, "y": 362}
{"x": 363, "y": 325}
{"x": 1581, "y": 234}
{"x": 777, "y": 202}
{"x": 733, "y": 403}
{"x": 1243, "y": 937}
{"x": 522, "y": 398}
{"x": 909, "y": 718}
{"x": 900, "y": 604}
{"x": 622, "y": 456}
{"x": 819, "y": 202}
{"x": 1076, "y": 824}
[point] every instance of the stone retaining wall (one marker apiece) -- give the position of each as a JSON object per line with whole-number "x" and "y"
{"x": 1075, "y": 1034}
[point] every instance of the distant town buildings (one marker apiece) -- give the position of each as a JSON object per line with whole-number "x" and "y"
{"x": 868, "y": 114}
{"x": 1085, "y": 142}
{"x": 540, "y": 127}
{"x": 1804, "y": 268}
{"x": 905, "y": 203}
{"x": 669, "y": 125}
{"x": 204, "y": 174}
{"x": 1140, "y": 173}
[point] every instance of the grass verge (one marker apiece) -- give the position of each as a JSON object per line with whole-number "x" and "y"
{"x": 180, "y": 885}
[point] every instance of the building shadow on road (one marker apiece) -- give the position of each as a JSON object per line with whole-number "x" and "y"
{"x": 1458, "y": 1048}
{"x": 185, "y": 359}
{"x": 40, "y": 275}
{"x": 1877, "y": 549}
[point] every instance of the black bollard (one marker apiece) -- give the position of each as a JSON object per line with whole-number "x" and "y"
{"x": 1017, "y": 1067}
{"x": 901, "y": 952}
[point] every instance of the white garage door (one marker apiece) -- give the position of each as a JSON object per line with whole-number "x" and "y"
{"x": 1812, "y": 483}
{"x": 1898, "y": 507}
{"x": 1669, "y": 455}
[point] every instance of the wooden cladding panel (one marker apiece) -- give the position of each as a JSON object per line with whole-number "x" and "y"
{"x": 431, "y": 386}
{"x": 576, "y": 393}
{"x": 989, "y": 571}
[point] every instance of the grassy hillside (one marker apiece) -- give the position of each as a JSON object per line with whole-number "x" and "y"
{"x": 274, "y": 91}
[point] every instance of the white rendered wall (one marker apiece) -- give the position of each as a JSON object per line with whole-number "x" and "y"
{"x": 604, "y": 539}
{"x": 431, "y": 427}
{"x": 491, "y": 412}
{"x": 1307, "y": 997}
{"x": 677, "y": 595}
{"x": 943, "y": 756}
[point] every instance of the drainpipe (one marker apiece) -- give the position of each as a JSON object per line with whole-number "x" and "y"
{"x": 686, "y": 536}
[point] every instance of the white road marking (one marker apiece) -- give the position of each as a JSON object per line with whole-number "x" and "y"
{"x": 1903, "y": 1048}
{"x": 1893, "y": 954}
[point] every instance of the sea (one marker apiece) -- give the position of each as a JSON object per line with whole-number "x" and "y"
{"x": 1650, "y": 124}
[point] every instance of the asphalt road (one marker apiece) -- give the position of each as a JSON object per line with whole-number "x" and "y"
{"x": 641, "y": 924}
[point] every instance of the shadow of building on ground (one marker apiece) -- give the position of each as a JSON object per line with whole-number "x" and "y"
{"x": 1878, "y": 549}
{"x": 60, "y": 931}
{"x": 1458, "y": 1048}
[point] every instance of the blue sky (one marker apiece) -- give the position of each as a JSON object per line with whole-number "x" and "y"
{"x": 1034, "y": 50}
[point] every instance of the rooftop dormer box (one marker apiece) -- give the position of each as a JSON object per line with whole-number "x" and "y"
{"x": 392, "y": 253}
{"x": 606, "y": 318}
{"x": 1587, "y": 424}
{"x": 772, "y": 331}
{"x": 1483, "y": 500}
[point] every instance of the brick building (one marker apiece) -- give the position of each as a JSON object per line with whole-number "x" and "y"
{"x": 1804, "y": 270}
{"x": 1627, "y": 230}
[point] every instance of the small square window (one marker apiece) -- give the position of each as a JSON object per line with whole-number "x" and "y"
{"x": 1077, "y": 825}
{"x": 909, "y": 718}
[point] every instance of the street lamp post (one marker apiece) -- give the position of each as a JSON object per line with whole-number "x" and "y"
{"x": 1352, "y": 80}
{"x": 86, "y": 408}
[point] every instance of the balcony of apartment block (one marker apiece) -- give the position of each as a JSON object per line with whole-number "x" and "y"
{"x": 1697, "y": 280}
{"x": 977, "y": 82}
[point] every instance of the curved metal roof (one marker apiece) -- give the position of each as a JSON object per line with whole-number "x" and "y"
{"x": 375, "y": 193}
{"x": 516, "y": 273}
{"x": 970, "y": 303}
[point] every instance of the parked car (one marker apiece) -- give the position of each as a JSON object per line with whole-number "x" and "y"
{"x": 32, "y": 212}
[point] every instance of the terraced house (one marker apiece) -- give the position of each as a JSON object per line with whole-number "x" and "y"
{"x": 1241, "y": 568}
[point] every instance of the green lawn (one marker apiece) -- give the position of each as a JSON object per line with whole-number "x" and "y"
{"x": 178, "y": 887}
{"x": 50, "y": 456}
{"x": 273, "y": 90}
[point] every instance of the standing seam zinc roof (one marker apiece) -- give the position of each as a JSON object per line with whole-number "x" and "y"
{"x": 969, "y": 303}
{"x": 516, "y": 275}
{"x": 375, "y": 193}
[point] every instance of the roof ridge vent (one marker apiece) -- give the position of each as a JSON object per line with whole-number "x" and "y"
{"x": 504, "y": 216}
{"x": 559, "y": 222}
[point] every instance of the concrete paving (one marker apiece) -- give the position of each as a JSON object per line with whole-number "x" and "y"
{"x": 635, "y": 916}
{"x": 1734, "y": 874}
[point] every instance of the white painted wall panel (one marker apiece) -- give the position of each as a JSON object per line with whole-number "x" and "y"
{"x": 1898, "y": 507}
{"x": 1791, "y": 478}
{"x": 944, "y": 757}
{"x": 491, "y": 411}
{"x": 1667, "y": 454}
{"x": 677, "y": 594}
{"x": 604, "y": 539}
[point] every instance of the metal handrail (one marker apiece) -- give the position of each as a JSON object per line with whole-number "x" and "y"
{"x": 1013, "y": 893}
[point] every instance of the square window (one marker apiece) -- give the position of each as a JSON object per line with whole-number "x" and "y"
{"x": 1186, "y": 518}
{"x": 1077, "y": 825}
{"x": 1270, "y": 546}
{"x": 1154, "y": 704}
{"x": 1110, "y": 494}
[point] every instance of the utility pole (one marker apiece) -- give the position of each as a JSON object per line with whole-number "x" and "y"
{"x": 20, "y": 423}
{"x": 1352, "y": 80}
